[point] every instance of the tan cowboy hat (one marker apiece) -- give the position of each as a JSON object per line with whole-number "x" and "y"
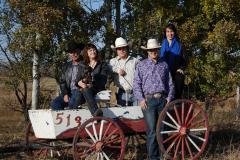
{"x": 151, "y": 44}
{"x": 119, "y": 42}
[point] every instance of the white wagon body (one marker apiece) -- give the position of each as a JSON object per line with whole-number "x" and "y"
{"x": 49, "y": 124}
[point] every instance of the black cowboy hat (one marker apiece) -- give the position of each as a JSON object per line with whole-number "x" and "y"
{"x": 73, "y": 46}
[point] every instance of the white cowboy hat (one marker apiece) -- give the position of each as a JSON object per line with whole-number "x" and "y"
{"x": 151, "y": 44}
{"x": 120, "y": 42}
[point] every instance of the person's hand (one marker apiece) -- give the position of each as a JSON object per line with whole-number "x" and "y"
{"x": 121, "y": 72}
{"x": 143, "y": 104}
{"x": 180, "y": 71}
{"x": 82, "y": 85}
{"x": 89, "y": 85}
{"x": 66, "y": 98}
{"x": 167, "y": 101}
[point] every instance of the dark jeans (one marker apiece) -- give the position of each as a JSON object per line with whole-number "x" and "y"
{"x": 77, "y": 98}
{"x": 155, "y": 106}
{"x": 122, "y": 97}
{"x": 179, "y": 85}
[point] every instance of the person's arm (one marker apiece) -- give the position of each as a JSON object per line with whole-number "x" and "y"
{"x": 81, "y": 76}
{"x": 113, "y": 66}
{"x": 62, "y": 81}
{"x": 137, "y": 88}
{"x": 183, "y": 59}
{"x": 100, "y": 79}
{"x": 169, "y": 83}
{"x": 137, "y": 84}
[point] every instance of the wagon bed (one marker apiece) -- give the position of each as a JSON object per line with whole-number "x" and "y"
{"x": 182, "y": 131}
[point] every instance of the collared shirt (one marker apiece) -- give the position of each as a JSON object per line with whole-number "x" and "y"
{"x": 74, "y": 76}
{"x": 128, "y": 65}
{"x": 152, "y": 77}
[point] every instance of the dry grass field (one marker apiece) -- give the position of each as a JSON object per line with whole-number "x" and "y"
{"x": 224, "y": 141}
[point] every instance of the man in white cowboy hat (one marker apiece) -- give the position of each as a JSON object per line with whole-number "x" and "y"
{"x": 153, "y": 88}
{"x": 123, "y": 67}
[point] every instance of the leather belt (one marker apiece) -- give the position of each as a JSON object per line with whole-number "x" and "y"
{"x": 155, "y": 95}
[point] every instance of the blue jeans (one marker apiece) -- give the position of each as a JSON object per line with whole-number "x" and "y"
{"x": 77, "y": 98}
{"x": 122, "y": 96}
{"x": 155, "y": 106}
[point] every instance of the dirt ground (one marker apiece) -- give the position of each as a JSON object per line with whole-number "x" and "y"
{"x": 224, "y": 140}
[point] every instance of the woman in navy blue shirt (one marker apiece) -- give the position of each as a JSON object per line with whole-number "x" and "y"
{"x": 172, "y": 53}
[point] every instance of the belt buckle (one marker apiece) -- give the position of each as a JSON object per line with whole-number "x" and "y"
{"x": 157, "y": 95}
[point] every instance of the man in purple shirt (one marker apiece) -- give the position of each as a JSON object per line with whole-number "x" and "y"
{"x": 153, "y": 88}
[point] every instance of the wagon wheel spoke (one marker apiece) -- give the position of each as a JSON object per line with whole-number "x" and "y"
{"x": 170, "y": 125}
{"x": 169, "y": 138}
{"x": 101, "y": 129}
{"x": 112, "y": 140}
{"x": 173, "y": 120}
{"x": 183, "y": 148}
{"x": 167, "y": 132}
{"x": 188, "y": 147}
{"x": 176, "y": 150}
{"x": 177, "y": 115}
{"x": 194, "y": 124}
{"x": 197, "y": 129}
{"x": 101, "y": 155}
{"x": 193, "y": 117}
{"x": 98, "y": 156}
{"x": 109, "y": 136}
{"x": 188, "y": 114}
{"x": 86, "y": 152}
{"x": 193, "y": 143}
{"x": 90, "y": 135}
{"x": 197, "y": 137}
{"x": 105, "y": 156}
{"x": 106, "y": 131}
{"x": 112, "y": 143}
{"x": 172, "y": 144}
{"x": 182, "y": 113}
{"x": 94, "y": 130}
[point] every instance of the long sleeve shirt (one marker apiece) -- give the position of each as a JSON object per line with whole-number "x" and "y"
{"x": 173, "y": 54}
{"x": 100, "y": 75}
{"x": 129, "y": 66}
{"x": 152, "y": 77}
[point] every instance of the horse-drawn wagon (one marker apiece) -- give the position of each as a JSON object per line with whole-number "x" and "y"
{"x": 182, "y": 131}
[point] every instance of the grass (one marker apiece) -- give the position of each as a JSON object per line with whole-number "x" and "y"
{"x": 224, "y": 140}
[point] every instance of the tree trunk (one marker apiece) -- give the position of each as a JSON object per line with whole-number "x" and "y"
{"x": 108, "y": 11}
{"x": 118, "y": 17}
{"x": 237, "y": 101}
{"x": 36, "y": 81}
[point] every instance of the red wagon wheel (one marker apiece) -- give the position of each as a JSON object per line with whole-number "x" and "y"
{"x": 44, "y": 148}
{"x": 182, "y": 130}
{"x": 99, "y": 138}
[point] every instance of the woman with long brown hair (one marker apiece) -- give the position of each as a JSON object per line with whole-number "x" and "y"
{"x": 92, "y": 58}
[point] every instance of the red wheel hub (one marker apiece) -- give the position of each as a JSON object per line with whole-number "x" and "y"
{"x": 183, "y": 131}
{"x": 99, "y": 146}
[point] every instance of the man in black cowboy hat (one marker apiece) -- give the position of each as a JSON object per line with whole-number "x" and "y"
{"x": 72, "y": 72}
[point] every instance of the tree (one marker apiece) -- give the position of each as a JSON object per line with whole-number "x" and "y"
{"x": 39, "y": 30}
